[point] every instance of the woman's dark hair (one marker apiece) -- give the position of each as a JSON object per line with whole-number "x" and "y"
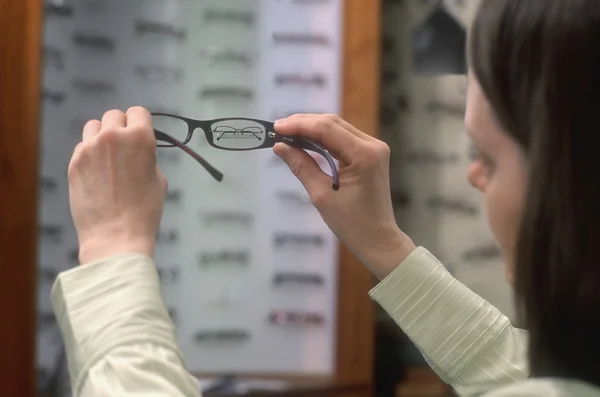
{"x": 538, "y": 64}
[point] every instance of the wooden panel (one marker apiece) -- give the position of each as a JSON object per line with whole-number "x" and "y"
{"x": 422, "y": 382}
{"x": 360, "y": 106}
{"x": 20, "y": 30}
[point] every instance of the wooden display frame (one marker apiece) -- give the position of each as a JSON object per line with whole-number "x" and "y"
{"x": 20, "y": 71}
{"x": 20, "y": 47}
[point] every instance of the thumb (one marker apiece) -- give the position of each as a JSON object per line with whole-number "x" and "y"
{"x": 303, "y": 166}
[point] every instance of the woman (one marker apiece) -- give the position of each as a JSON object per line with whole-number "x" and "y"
{"x": 531, "y": 113}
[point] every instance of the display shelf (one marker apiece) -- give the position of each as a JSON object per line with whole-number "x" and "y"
{"x": 339, "y": 352}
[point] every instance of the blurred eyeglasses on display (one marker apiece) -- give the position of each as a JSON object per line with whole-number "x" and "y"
{"x": 289, "y": 317}
{"x": 304, "y": 1}
{"x": 55, "y": 97}
{"x": 173, "y": 196}
{"x": 54, "y": 57}
{"x": 298, "y": 239}
{"x": 94, "y": 87}
{"x": 242, "y": 218}
{"x": 225, "y": 257}
{"x": 59, "y": 8}
{"x": 158, "y": 73}
{"x": 48, "y": 184}
{"x": 53, "y": 233}
{"x": 159, "y": 31}
{"x": 234, "y": 334}
{"x": 167, "y": 236}
{"x": 229, "y": 16}
{"x": 227, "y": 92}
{"x": 301, "y": 39}
{"x": 299, "y": 79}
{"x": 298, "y": 278}
{"x": 168, "y": 276}
{"x": 216, "y": 55}
{"x": 94, "y": 42}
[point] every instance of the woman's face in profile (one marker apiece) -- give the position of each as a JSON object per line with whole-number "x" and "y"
{"x": 497, "y": 170}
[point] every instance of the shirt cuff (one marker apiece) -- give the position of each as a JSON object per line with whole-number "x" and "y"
{"x": 106, "y": 304}
{"x": 449, "y": 323}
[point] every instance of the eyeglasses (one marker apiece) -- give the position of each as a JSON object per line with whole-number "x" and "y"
{"x": 225, "y": 257}
{"x": 289, "y": 317}
{"x": 48, "y": 184}
{"x": 158, "y": 73}
{"x": 59, "y": 10}
{"x": 168, "y": 276}
{"x": 234, "y": 133}
{"x": 401, "y": 199}
{"x": 300, "y": 38}
{"x": 242, "y": 218}
{"x": 173, "y": 196}
{"x": 54, "y": 57}
{"x": 298, "y": 278}
{"x": 94, "y": 42}
{"x": 55, "y": 97}
{"x": 91, "y": 87}
{"x": 227, "y": 16}
{"x": 234, "y": 334}
{"x": 159, "y": 30}
{"x": 53, "y": 233}
{"x": 317, "y": 79}
{"x": 167, "y": 236}
{"x": 298, "y": 239}
{"x": 303, "y": 1}
{"x": 215, "y": 55}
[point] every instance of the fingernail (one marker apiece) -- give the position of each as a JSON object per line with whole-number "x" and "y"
{"x": 280, "y": 147}
{"x": 280, "y": 122}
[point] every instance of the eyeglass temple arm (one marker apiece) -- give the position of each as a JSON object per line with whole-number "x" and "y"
{"x": 307, "y": 145}
{"x": 215, "y": 173}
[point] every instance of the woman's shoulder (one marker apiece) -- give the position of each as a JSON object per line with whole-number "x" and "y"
{"x": 546, "y": 387}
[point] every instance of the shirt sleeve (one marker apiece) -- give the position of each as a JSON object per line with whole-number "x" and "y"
{"x": 119, "y": 338}
{"x": 468, "y": 342}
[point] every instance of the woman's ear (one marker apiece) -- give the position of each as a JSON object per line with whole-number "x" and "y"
{"x": 476, "y": 175}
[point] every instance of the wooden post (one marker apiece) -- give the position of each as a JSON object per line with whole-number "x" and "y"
{"x": 20, "y": 47}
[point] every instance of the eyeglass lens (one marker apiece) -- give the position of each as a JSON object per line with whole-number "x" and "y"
{"x": 238, "y": 134}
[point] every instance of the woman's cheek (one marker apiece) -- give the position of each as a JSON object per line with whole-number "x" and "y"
{"x": 504, "y": 200}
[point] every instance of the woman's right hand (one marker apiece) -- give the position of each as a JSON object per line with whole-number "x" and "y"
{"x": 359, "y": 213}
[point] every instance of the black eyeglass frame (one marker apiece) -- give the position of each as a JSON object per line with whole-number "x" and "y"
{"x": 270, "y": 139}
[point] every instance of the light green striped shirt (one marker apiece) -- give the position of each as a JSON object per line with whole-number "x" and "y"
{"x": 467, "y": 341}
{"x": 120, "y": 340}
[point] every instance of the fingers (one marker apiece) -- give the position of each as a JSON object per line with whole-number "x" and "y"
{"x": 305, "y": 168}
{"x": 353, "y": 129}
{"x": 91, "y": 129}
{"x": 163, "y": 180}
{"x": 139, "y": 122}
{"x": 138, "y": 116}
{"x": 323, "y": 129}
{"x": 114, "y": 119}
